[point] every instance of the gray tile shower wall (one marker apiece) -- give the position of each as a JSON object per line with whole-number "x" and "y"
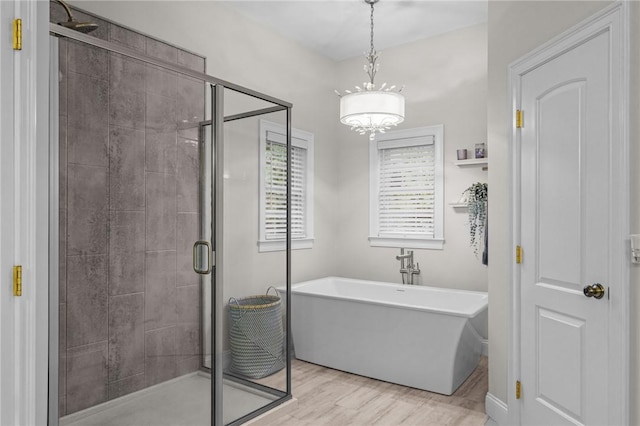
{"x": 129, "y": 300}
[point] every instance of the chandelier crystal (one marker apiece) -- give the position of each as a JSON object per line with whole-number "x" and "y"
{"x": 371, "y": 109}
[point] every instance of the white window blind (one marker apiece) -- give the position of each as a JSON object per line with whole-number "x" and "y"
{"x": 272, "y": 234}
{"x": 406, "y": 191}
{"x": 276, "y": 190}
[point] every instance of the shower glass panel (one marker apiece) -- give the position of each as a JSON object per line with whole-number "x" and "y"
{"x": 251, "y": 353}
{"x": 156, "y": 194}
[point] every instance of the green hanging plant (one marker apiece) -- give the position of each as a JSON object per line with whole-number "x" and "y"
{"x": 477, "y": 197}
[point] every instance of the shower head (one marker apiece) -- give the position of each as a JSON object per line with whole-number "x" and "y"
{"x": 83, "y": 27}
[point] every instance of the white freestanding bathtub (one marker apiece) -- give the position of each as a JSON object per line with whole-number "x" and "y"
{"x": 424, "y": 337}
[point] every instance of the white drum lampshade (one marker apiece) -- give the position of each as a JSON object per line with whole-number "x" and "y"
{"x": 372, "y": 111}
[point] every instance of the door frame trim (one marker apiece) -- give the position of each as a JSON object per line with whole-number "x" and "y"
{"x": 24, "y": 77}
{"x": 615, "y": 20}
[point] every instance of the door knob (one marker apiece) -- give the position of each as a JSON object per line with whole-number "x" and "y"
{"x": 594, "y": 290}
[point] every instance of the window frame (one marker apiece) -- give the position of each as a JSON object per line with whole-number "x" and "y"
{"x": 300, "y": 139}
{"x": 398, "y": 139}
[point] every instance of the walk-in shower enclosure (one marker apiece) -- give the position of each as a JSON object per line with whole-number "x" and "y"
{"x": 156, "y": 171}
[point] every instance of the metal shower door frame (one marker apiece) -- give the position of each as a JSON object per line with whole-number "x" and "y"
{"x": 217, "y": 298}
{"x": 218, "y": 88}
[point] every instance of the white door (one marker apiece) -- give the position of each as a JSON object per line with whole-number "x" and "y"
{"x": 566, "y": 151}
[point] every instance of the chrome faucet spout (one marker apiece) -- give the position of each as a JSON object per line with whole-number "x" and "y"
{"x": 404, "y": 256}
{"x": 401, "y": 256}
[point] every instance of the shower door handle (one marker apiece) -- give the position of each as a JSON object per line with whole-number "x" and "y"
{"x": 200, "y": 257}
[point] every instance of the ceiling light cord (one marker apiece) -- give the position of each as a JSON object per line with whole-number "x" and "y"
{"x": 372, "y": 49}
{"x": 372, "y": 67}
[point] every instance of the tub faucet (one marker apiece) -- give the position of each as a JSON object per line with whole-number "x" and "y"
{"x": 407, "y": 270}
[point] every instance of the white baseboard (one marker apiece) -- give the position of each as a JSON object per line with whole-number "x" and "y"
{"x": 497, "y": 410}
{"x": 485, "y": 347}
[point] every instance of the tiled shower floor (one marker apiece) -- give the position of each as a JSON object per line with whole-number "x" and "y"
{"x": 184, "y": 401}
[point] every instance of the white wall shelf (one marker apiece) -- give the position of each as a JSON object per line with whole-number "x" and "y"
{"x": 472, "y": 162}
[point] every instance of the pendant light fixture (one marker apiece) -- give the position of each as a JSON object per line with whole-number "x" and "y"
{"x": 369, "y": 109}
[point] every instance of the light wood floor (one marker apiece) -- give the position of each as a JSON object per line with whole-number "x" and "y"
{"x": 336, "y": 398}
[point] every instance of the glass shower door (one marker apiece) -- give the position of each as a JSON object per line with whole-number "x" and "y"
{"x": 235, "y": 339}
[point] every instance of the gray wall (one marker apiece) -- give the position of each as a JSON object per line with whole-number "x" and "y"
{"x": 129, "y": 301}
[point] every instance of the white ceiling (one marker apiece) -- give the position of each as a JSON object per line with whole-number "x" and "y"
{"x": 340, "y": 29}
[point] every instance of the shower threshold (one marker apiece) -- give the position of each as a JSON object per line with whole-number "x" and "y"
{"x": 185, "y": 400}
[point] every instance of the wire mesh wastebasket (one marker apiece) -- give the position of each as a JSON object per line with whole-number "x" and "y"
{"x": 256, "y": 335}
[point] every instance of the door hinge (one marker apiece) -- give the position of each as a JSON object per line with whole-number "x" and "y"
{"x": 519, "y": 119}
{"x": 518, "y": 389}
{"x": 518, "y": 254}
{"x": 17, "y": 34}
{"x": 17, "y": 280}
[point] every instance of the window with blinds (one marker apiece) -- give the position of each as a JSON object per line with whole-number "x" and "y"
{"x": 273, "y": 187}
{"x": 406, "y": 189}
{"x": 276, "y": 191}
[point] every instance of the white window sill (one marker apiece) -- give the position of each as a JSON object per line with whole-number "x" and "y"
{"x": 279, "y": 245}
{"x": 410, "y": 243}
